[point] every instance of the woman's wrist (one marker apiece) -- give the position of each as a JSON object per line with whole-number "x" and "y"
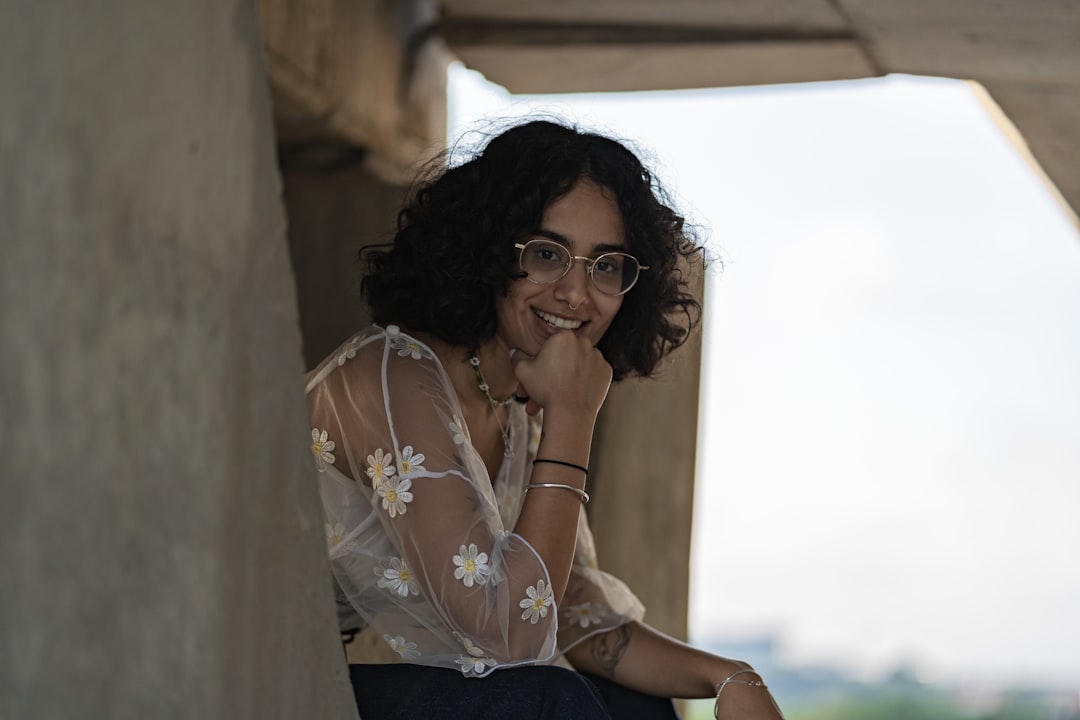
{"x": 565, "y": 440}
{"x": 730, "y": 690}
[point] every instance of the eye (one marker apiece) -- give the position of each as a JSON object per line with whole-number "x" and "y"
{"x": 608, "y": 265}
{"x": 548, "y": 254}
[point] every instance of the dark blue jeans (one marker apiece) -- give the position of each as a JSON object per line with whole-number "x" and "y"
{"x": 539, "y": 692}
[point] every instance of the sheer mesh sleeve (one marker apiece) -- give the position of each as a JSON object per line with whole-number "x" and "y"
{"x": 415, "y": 536}
{"x": 595, "y": 601}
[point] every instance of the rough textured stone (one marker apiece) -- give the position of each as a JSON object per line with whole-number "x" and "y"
{"x": 359, "y": 73}
{"x": 160, "y": 530}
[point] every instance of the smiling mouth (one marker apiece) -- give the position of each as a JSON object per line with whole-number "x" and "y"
{"x": 556, "y": 321}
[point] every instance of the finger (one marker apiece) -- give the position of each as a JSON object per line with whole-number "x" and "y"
{"x": 521, "y": 395}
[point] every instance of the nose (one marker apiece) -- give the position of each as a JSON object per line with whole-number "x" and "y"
{"x": 573, "y": 288}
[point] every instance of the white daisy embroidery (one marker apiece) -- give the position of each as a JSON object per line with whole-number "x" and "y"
{"x": 409, "y": 462}
{"x": 395, "y": 493}
{"x": 380, "y": 467}
{"x": 320, "y": 448}
{"x": 457, "y": 432}
{"x": 406, "y": 347}
{"x": 349, "y": 352}
{"x": 474, "y": 665}
{"x": 398, "y": 578}
{"x": 470, "y": 647}
{"x": 537, "y": 603}
{"x": 585, "y": 614}
{"x": 334, "y": 534}
{"x": 472, "y": 566}
{"x": 407, "y": 650}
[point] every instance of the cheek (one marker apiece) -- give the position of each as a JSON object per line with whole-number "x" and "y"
{"x": 516, "y": 297}
{"x": 609, "y": 311}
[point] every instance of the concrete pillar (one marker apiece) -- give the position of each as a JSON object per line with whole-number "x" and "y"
{"x": 161, "y": 540}
{"x": 642, "y": 484}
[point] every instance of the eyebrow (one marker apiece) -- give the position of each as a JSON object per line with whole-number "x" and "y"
{"x": 563, "y": 240}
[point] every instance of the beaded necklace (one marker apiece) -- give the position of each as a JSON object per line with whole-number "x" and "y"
{"x": 495, "y": 404}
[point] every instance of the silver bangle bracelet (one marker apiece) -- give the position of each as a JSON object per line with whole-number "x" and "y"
{"x": 730, "y": 681}
{"x": 580, "y": 493}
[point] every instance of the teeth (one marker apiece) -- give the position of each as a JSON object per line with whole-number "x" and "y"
{"x": 555, "y": 321}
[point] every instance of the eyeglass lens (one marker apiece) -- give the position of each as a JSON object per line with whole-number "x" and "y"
{"x": 547, "y": 262}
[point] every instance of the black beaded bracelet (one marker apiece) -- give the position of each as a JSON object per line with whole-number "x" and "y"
{"x": 561, "y": 462}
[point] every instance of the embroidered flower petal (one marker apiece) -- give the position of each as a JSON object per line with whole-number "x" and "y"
{"x": 474, "y": 665}
{"x": 380, "y": 467}
{"x": 585, "y": 614}
{"x": 334, "y": 534}
{"x": 321, "y": 449}
{"x": 349, "y": 352}
{"x": 472, "y": 566}
{"x": 407, "y": 650}
{"x": 537, "y": 603}
{"x": 394, "y": 492}
{"x": 397, "y": 578}
{"x": 457, "y": 432}
{"x": 407, "y": 347}
{"x": 409, "y": 462}
{"x": 470, "y": 647}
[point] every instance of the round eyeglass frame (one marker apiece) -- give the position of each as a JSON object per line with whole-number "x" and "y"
{"x": 589, "y": 264}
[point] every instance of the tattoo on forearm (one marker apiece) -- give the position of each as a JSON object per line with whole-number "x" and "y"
{"x": 608, "y": 649}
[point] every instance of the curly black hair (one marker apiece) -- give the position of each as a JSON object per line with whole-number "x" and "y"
{"x": 453, "y": 254}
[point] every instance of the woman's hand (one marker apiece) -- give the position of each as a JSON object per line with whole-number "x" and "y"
{"x": 569, "y": 375}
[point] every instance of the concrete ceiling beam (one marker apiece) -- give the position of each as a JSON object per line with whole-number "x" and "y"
{"x": 352, "y": 76}
{"x": 1026, "y": 53}
{"x": 615, "y": 67}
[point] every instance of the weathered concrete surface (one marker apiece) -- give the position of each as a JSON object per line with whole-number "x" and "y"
{"x": 334, "y": 212}
{"x": 160, "y": 535}
{"x": 630, "y": 45}
{"x": 1047, "y": 118}
{"x": 364, "y": 74}
{"x": 662, "y": 66}
{"x": 642, "y": 481}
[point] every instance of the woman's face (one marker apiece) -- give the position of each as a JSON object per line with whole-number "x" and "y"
{"x": 588, "y": 222}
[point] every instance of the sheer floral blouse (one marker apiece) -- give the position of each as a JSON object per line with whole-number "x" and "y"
{"x": 420, "y": 539}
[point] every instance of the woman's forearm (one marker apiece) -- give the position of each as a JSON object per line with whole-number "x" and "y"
{"x": 548, "y": 519}
{"x": 639, "y": 657}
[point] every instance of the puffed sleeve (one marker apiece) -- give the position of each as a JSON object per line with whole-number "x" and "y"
{"x": 594, "y": 601}
{"x": 416, "y": 541}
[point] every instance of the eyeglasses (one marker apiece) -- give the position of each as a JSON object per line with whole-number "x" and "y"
{"x": 545, "y": 262}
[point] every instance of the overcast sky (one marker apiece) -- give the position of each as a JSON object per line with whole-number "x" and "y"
{"x": 890, "y": 465}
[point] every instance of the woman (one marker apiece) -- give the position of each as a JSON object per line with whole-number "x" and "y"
{"x": 453, "y": 438}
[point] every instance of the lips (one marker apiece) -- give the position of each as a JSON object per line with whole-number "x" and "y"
{"x": 556, "y": 321}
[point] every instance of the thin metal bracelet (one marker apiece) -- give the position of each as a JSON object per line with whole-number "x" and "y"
{"x": 582, "y": 468}
{"x": 580, "y": 493}
{"x": 729, "y": 681}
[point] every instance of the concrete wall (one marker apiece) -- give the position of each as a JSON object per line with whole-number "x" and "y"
{"x": 642, "y": 481}
{"x": 160, "y": 534}
{"x": 333, "y": 211}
